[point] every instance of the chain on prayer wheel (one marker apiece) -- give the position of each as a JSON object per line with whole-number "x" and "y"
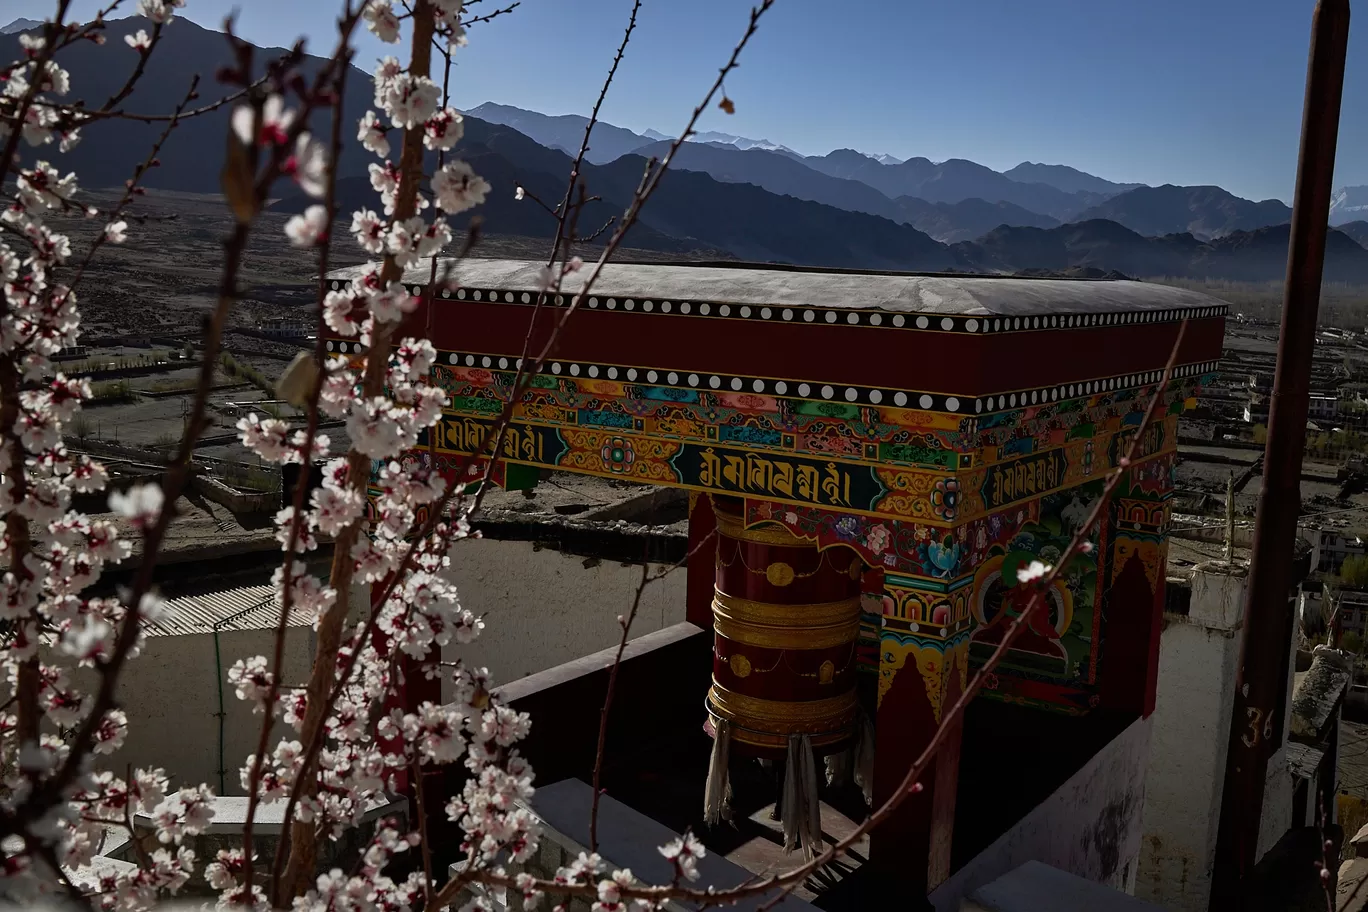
{"x": 786, "y": 617}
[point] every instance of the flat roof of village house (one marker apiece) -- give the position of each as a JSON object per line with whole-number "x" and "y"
{"x": 967, "y": 295}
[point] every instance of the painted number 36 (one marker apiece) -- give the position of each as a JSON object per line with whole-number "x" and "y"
{"x": 1255, "y": 717}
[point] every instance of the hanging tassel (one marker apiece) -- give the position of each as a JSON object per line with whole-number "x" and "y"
{"x": 801, "y": 806}
{"x": 812, "y": 835}
{"x": 717, "y": 792}
{"x": 838, "y": 768}
{"x": 864, "y": 759}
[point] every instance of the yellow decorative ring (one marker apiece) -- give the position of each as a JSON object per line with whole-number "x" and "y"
{"x": 821, "y": 625}
{"x": 817, "y": 614}
{"x": 732, "y": 526}
{"x": 769, "y": 723}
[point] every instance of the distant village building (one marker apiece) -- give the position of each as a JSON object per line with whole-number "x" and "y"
{"x": 285, "y": 328}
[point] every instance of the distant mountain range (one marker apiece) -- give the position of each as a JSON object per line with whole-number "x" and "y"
{"x": 19, "y": 25}
{"x": 734, "y": 197}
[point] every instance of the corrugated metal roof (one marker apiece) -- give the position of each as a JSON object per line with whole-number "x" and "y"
{"x": 241, "y": 608}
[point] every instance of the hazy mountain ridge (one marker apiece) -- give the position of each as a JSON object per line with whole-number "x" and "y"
{"x": 694, "y": 211}
{"x": 1063, "y": 177}
{"x": 20, "y": 25}
{"x": 1205, "y": 212}
{"x": 1358, "y": 230}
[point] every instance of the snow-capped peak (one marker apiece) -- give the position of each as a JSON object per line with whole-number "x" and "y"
{"x": 741, "y": 142}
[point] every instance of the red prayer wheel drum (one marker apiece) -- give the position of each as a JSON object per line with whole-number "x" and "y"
{"x": 786, "y": 617}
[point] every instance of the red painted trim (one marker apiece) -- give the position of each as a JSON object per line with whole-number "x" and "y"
{"x": 700, "y": 579}
{"x": 820, "y": 576}
{"x": 955, "y": 363}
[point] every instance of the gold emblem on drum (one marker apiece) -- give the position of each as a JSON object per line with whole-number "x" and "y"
{"x": 855, "y": 568}
{"x": 779, "y": 574}
{"x": 741, "y": 666}
{"x": 825, "y": 672}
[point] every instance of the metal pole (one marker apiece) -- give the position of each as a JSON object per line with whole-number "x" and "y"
{"x": 1267, "y": 621}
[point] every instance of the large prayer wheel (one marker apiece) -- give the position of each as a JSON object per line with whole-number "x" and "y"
{"x": 786, "y": 617}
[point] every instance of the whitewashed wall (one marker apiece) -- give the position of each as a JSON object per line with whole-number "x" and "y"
{"x": 543, "y": 607}
{"x": 1089, "y": 827}
{"x": 1198, "y": 660}
{"x": 170, "y": 693}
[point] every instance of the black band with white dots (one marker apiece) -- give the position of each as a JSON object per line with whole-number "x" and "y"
{"x": 816, "y": 391}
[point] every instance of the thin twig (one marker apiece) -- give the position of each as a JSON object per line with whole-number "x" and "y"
{"x": 626, "y": 624}
{"x": 306, "y": 455}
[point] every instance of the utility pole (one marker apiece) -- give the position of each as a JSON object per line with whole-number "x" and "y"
{"x": 1267, "y": 612}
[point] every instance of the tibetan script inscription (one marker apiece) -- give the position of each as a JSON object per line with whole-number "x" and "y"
{"x": 819, "y": 482}
{"x": 1152, "y": 443}
{"x": 779, "y": 477}
{"x": 1008, "y": 482}
{"x": 524, "y": 443}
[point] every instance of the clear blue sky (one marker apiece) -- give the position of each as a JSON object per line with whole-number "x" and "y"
{"x": 1159, "y": 91}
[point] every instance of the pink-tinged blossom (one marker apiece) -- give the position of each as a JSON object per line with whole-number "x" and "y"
{"x": 373, "y": 560}
{"x": 139, "y": 41}
{"x": 43, "y": 188}
{"x": 684, "y": 853}
{"x": 376, "y": 430}
{"x": 443, "y": 130}
{"x": 369, "y": 230}
{"x": 268, "y": 438}
{"x": 413, "y": 358}
{"x": 371, "y": 133}
{"x": 110, "y": 734}
{"x": 116, "y": 232}
{"x": 392, "y": 304}
{"x": 342, "y": 316}
{"x": 286, "y": 527}
{"x": 402, "y": 241}
{"x": 387, "y": 69}
{"x": 308, "y": 166}
{"x": 434, "y": 238}
{"x": 226, "y": 870}
{"x": 385, "y": 181}
{"x": 159, "y": 11}
{"x": 273, "y": 127}
{"x": 1033, "y": 571}
{"x": 252, "y": 678}
{"x": 504, "y": 726}
{"x": 610, "y": 891}
{"x": 336, "y": 508}
{"x": 152, "y": 607}
{"x": 381, "y": 20}
{"x": 186, "y": 813}
{"x": 140, "y": 503}
{"x": 308, "y": 229}
{"x": 410, "y": 100}
{"x": 457, "y": 188}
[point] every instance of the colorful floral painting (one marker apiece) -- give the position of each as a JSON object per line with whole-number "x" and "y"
{"x": 945, "y": 498}
{"x": 618, "y": 455}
